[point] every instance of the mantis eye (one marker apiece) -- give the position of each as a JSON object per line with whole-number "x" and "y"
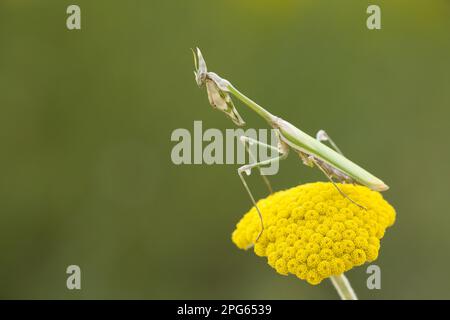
{"x": 200, "y": 67}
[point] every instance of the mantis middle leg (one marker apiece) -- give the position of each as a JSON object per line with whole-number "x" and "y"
{"x": 247, "y": 170}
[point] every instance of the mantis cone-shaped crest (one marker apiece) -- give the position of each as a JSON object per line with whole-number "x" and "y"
{"x": 217, "y": 89}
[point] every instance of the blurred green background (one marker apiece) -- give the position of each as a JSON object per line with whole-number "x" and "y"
{"x": 86, "y": 118}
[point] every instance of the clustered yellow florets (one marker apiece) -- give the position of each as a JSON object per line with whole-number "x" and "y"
{"x": 313, "y": 232}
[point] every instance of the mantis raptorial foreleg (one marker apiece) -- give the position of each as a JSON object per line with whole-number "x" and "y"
{"x": 322, "y": 136}
{"x": 247, "y": 170}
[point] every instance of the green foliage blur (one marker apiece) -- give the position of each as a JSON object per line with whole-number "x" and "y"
{"x": 86, "y": 118}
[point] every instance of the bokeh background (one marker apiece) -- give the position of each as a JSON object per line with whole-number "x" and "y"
{"x": 86, "y": 118}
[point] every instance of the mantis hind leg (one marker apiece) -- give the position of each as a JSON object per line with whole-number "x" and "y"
{"x": 335, "y": 185}
{"x": 247, "y": 170}
{"x": 322, "y": 136}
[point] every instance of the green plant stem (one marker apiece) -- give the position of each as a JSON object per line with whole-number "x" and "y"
{"x": 343, "y": 287}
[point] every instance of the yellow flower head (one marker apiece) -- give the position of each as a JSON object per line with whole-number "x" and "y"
{"x": 313, "y": 232}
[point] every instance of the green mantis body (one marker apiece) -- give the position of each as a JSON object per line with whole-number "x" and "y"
{"x": 307, "y": 145}
{"x": 311, "y": 150}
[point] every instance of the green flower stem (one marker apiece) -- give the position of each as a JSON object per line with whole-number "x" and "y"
{"x": 343, "y": 287}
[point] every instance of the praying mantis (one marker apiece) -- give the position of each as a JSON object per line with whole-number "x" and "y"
{"x": 312, "y": 151}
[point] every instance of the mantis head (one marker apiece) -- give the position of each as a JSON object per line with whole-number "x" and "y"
{"x": 216, "y": 87}
{"x": 200, "y": 67}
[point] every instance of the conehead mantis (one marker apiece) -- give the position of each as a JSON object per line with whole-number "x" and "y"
{"x": 311, "y": 150}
